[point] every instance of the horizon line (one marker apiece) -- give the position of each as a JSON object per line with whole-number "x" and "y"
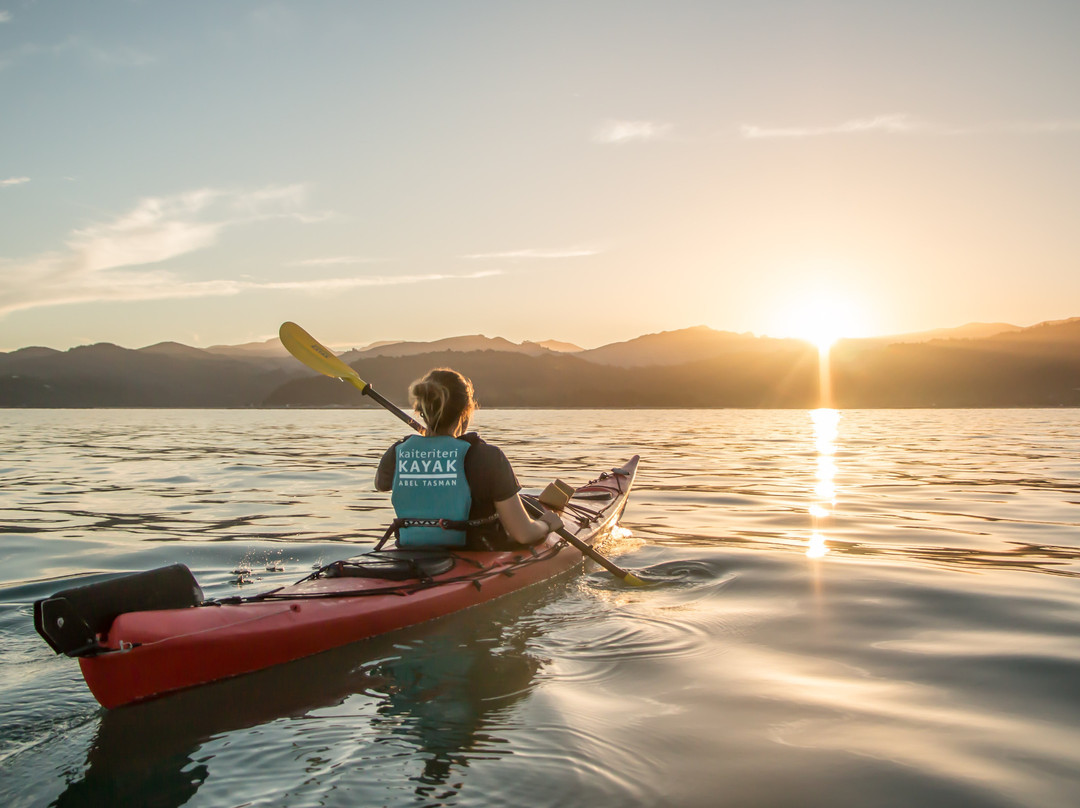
{"x": 383, "y": 343}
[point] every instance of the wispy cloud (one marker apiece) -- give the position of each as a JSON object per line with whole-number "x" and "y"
{"x": 574, "y": 252}
{"x": 336, "y": 260}
{"x": 5, "y": 16}
{"x": 13, "y": 181}
{"x": 620, "y": 132}
{"x": 129, "y": 286}
{"x": 156, "y": 230}
{"x": 901, "y": 124}
{"x": 115, "y": 260}
{"x": 82, "y": 48}
{"x": 1041, "y": 127}
{"x": 114, "y": 57}
{"x": 338, "y": 284}
{"x": 274, "y": 19}
{"x": 893, "y": 124}
{"x": 94, "y": 264}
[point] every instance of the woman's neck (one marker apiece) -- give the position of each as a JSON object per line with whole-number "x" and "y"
{"x": 457, "y": 430}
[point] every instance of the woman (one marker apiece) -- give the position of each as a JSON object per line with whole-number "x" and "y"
{"x": 450, "y": 475}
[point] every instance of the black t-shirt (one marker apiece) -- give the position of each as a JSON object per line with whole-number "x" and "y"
{"x": 491, "y": 479}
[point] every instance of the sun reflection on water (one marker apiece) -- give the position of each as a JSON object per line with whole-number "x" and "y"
{"x": 826, "y": 427}
{"x": 816, "y": 546}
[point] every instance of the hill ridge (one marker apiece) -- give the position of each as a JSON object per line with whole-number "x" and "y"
{"x": 697, "y": 367}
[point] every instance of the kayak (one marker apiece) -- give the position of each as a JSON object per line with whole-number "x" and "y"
{"x": 144, "y": 635}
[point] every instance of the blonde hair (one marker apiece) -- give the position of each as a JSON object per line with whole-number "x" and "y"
{"x": 443, "y": 398}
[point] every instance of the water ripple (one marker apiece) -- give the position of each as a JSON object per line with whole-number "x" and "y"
{"x": 863, "y": 608}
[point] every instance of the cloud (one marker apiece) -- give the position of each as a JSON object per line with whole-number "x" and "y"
{"x": 619, "y": 132}
{"x": 160, "y": 228}
{"x": 901, "y": 124}
{"x": 80, "y": 48}
{"x": 94, "y": 264}
{"x": 338, "y": 284}
{"x": 337, "y": 260}
{"x": 5, "y": 16}
{"x": 274, "y": 19}
{"x": 315, "y": 218}
{"x": 156, "y": 230}
{"x": 893, "y": 124}
{"x": 161, "y": 285}
{"x": 114, "y": 260}
{"x": 580, "y": 252}
{"x": 1041, "y": 127}
{"x": 13, "y": 181}
{"x": 113, "y": 57}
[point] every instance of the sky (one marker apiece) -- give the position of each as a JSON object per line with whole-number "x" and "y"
{"x": 584, "y": 171}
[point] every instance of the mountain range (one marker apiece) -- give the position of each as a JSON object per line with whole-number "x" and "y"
{"x": 977, "y": 365}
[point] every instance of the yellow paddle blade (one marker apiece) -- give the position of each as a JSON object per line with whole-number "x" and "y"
{"x": 315, "y": 355}
{"x": 633, "y": 580}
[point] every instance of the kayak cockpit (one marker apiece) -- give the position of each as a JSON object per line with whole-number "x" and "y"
{"x": 393, "y": 565}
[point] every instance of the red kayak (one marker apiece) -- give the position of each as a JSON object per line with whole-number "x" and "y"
{"x": 144, "y": 635}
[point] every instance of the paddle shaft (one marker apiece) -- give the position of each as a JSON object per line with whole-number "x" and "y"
{"x": 368, "y": 391}
{"x": 585, "y": 549}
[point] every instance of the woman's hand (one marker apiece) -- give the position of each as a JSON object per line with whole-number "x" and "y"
{"x": 522, "y": 528}
{"x": 552, "y": 520}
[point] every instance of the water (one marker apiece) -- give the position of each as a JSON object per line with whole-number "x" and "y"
{"x": 877, "y": 609}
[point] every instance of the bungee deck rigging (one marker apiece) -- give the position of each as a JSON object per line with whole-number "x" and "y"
{"x": 419, "y": 567}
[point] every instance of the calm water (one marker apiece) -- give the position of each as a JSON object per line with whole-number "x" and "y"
{"x": 876, "y": 610}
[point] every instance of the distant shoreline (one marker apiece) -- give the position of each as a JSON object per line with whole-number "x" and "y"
{"x": 349, "y": 408}
{"x": 695, "y": 369}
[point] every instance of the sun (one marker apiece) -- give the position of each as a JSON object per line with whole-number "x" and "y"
{"x": 817, "y": 328}
{"x": 820, "y": 318}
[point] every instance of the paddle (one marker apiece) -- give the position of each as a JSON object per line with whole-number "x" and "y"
{"x": 312, "y": 353}
{"x": 623, "y": 575}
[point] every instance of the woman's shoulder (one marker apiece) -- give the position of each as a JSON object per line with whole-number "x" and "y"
{"x": 490, "y": 474}
{"x": 397, "y": 443}
{"x": 474, "y": 439}
{"x": 480, "y": 447}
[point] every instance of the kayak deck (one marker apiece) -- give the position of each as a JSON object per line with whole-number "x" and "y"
{"x": 144, "y": 654}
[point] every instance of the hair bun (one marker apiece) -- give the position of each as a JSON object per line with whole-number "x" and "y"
{"x": 442, "y": 398}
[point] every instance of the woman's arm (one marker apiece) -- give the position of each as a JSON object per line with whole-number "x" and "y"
{"x": 384, "y": 475}
{"x": 522, "y": 528}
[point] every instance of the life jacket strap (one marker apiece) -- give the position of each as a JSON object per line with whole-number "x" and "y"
{"x": 446, "y": 524}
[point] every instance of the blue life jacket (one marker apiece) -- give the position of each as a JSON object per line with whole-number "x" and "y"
{"x": 430, "y": 484}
